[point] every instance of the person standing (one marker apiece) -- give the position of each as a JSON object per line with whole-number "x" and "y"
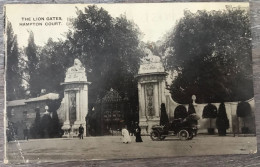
{"x": 126, "y": 136}
{"x": 81, "y": 131}
{"x": 138, "y": 133}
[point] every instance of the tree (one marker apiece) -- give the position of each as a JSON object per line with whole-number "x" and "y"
{"x": 180, "y": 112}
{"x": 45, "y": 126}
{"x": 33, "y": 66}
{"x": 210, "y": 111}
{"x": 55, "y": 58}
{"x": 222, "y": 121}
{"x": 243, "y": 110}
{"x": 93, "y": 119}
{"x": 35, "y": 129}
{"x": 191, "y": 110}
{"x": 109, "y": 48}
{"x": 164, "y": 120}
{"x": 14, "y": 89}
{"x": 55, "y": 126}
{"x": 211, "y": 52}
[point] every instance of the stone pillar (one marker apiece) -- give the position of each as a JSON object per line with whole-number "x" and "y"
{"x": 146, "y": 121}
{"x": 66, "y": 97}
{"x": 140, "y": 99}
{"x": 160, "y": 95}
{"x": 66, "y": 124}
{"x": 84, "y": 108}
{"x": 80, "y": 104}
{"x": 150, "y": 76}
{"x": 143, "y": 100}
{"x": 142, "y": 113}
{"x": 141, "y": 96}
{"x": 84, "y": 104}
{"x": 81, "y": 109}
{"x": 77, "y": 106}
{"x": 78, "y": 109}
{"x": 156, "y": 98}
{"x": 76, "y": 80}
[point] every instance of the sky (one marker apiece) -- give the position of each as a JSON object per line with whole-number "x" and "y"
{"x": 51, "y": 20}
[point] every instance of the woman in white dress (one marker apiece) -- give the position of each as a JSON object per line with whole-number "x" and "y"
{"x": 126, "y": 136}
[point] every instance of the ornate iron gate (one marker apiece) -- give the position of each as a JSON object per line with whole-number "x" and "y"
{"x": 110, "y": 114}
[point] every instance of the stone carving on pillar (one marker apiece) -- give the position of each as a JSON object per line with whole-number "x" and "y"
{"x": 72, "y": 108}
{"x": 75, "y": 99}
{"x": 76, "y": 72}
{"x": 149, "y": 100}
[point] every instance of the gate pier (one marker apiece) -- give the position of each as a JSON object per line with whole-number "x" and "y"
{"x": 75, "y": 99}
{"x": 151, "y": 91}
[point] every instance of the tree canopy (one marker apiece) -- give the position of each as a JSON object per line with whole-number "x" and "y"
{"x": 14, "y": 88}
{"x": 33, "y": 66}
{"x": 243, "y": 109}
{"x": 109, "y": 49}
{"x": 54, "y": 60}
{"x": 180, "y": 112}
{"x": 211, "y": 52}
{"x": 209, "y": 111}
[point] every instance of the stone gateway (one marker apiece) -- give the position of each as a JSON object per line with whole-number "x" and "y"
{"x": 75, "y": 102}
{"x": 151, "y": 91}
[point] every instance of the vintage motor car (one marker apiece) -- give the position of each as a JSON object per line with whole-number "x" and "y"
{"x": 183, "y": 128}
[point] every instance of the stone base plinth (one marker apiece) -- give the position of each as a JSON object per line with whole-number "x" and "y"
{"x": 146, "y": 125}
{"x": 70, "y": 135}
{"x": 66, "y": 129}
{"x": 151, "y": 123}
{"x": 143, "y": 125}
{"x": 72, "y": 132}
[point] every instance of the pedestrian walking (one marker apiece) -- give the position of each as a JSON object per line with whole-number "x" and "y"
{"x": 126, "y": 136}
{"x": 81, "y": 131}
{"x": 138, "y": 133}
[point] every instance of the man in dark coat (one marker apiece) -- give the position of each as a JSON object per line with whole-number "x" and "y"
{"x": 138, "y": 133}
{"x": 81, "y": 131}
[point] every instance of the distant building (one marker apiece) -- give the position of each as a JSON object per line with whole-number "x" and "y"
{"x": 21, "y": 113}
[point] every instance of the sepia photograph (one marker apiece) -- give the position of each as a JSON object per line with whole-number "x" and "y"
{"x": 88, "y": 82}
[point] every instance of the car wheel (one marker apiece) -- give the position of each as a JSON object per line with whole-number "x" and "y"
{"x": 155, "y": 135}
{"x": 184, "y": 134}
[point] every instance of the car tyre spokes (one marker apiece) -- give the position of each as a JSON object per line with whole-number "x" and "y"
{"x": 184, "y": 135}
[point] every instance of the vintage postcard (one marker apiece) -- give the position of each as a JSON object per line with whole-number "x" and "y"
{"x": 126, "y": 81}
